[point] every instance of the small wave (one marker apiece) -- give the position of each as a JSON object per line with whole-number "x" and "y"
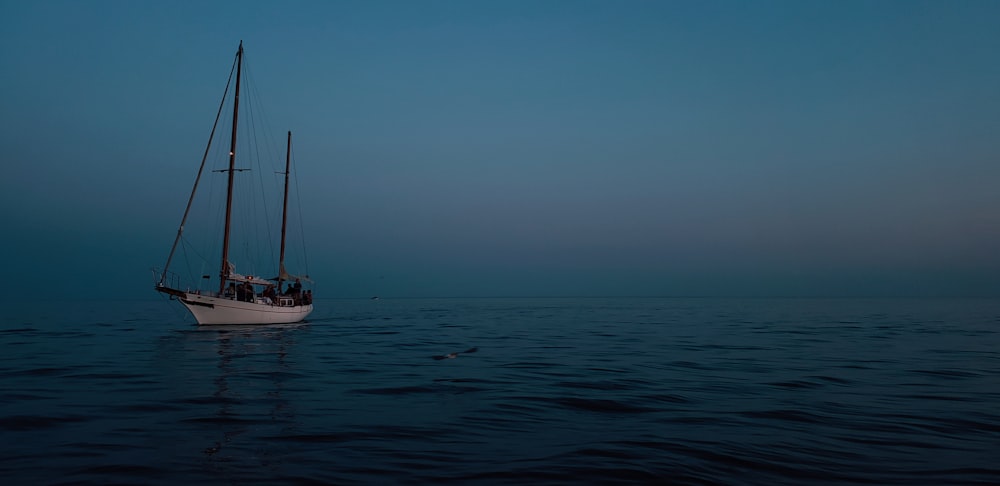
{"x": 944, "y": 398}
{"x": 107, "y": 376}
{"x": 36, "y": 422}
{"x": 948, "y": 373}
{"x": 49, "y": 371}
{"x": 399, "y": 390}
{"x": 785, "y": 415}
{"x": 155, "y": 407}
{"x": 595, "y": 385}
{"x": 313, "y": 438}
{"x": 597, "y": 405}
{"x": 224, "y": 419}
{"x": 213, "y": 400}
{"x": 527, "y": 364}
{"x": 667, "y": 398}
{"x": 123, "y": 469}
{"x": 608, "y": 370}
{"x": 565, "y": 475}
{"x": 688, "y": 364}
{"x": 469, "y": 380}
{"x": 832, "y": 379}
{"x": 796, "y": 384}
{"x": 93, "y": 449}
{"x": 438, "y": 388}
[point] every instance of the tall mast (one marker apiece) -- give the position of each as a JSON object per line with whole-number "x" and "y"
{"x": 201, "y": 168}
{"x": 224, "y": 273}
{"x": 284, "y": 212}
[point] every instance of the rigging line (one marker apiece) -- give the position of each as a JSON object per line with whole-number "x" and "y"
{"x": 187, "y": 262}
{"x": 251, "y": 231}
{"x": 256, "y": 115}
{"x": 302, "y": 231}
{"x": 180, "y": 229}
{"x": 186, "y": 248}
{"x": 189, "y": 247}
{"x": 253, "y": 152}
{"x": 270, "y": 154}
{"x": 261, "y": 111}
{"x": 214, "y": 219}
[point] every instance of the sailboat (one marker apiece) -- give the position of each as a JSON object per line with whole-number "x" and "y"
{"x": 243, "y": 299}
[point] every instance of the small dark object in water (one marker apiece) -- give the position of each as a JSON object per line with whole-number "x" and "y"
{"x": 455, "y": 354}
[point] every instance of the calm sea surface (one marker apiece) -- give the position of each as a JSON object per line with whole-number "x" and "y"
{"x": 684, "y": 391}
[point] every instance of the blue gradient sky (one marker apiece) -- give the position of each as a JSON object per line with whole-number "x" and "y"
{"x": 472, "y": 148}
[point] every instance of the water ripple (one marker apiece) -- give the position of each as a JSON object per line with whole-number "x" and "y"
{"x": 559, "y": 391}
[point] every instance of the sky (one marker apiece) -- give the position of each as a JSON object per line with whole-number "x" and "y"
{"x": 522, "y": 148}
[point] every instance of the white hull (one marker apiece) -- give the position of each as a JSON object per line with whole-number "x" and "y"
{"x": 209, "y": 310}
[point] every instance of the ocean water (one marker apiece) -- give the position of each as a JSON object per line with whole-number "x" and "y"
{"x": 540, "y": 391}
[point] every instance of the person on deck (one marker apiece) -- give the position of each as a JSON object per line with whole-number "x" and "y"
{"x": 248, "y": 291}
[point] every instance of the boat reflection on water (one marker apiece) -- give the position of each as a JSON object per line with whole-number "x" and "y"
{"x": 249, "y": 391}
{"x": 259, "y": 330}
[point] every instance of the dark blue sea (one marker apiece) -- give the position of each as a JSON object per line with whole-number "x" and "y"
{"x": 539, "y": 391}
